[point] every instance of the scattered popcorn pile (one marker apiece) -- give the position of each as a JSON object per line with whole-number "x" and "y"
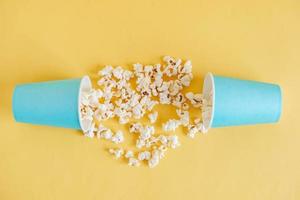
{"x": 117, "y": 96}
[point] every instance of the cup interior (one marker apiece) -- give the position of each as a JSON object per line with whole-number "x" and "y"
{"x": 209, "y": 96}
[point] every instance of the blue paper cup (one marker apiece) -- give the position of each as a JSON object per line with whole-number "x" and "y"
{"x": 53, "y": 103}
{"x": 240, "y": 102}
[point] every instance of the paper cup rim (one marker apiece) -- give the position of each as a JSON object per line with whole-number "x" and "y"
{"x": 209, "y": 83}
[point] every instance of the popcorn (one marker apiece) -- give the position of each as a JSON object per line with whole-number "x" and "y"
{"x": 135, "y": 128}
{"x": 138, "y": 68}
{"x": 151, "y": 141}
{"x": 140, "y": 143}
{"x": 162, "y": 149}
{"x": 197, "y": 120}
{"x": 90, "y": 132}
{"x": 146, "y": 132}
{"x": 192, "y": 131}
{"x": 144, "y": 137}
{"x": 173, "y": 141}
{"x": 119, "y": 97}
{"x": 118, "y": 137}
{"x": 106, "y": 71}
{"x": 163, "y": 139}
{"x": 186, "y": 80}
{"x": 195, "y": 99}
{"x": 196, "y": 128}
{"x": 116, "y": 152}
{"x": 200, "y": 127}
{"x": 153, "y": 117}
{"x": 138, "y": 111}
{"x": 107, "y": 134}
{"x": 144, "y": 155}
{"x": 156, "y": 155}
{"x": 129, "y": 154}
{"x": 154, "y": 160}
{"x": 117, "y": 72}
{"x": 164, "y": 98}
{"x": 168, "y": 59}
{"x": 189, "y": 95}
{"x": 187, "y": 67}
{"x": 184, "y": 117}
{"x": 86, "y": 123}
{"x": 171, "y": 125}
{"x": 123, "y": 120}
{"x": 134, "y": 162}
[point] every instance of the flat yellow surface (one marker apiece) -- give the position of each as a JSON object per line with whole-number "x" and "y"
{"x": 57, "y": 39}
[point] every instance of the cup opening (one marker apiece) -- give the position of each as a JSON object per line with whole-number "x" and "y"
{"x": 85, "y": 85}
{"x": 209, "y": 96}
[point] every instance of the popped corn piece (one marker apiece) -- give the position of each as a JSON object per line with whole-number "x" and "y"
{"x": 151, "y": 104}
{"x": 135, "y": 127}
{"x": 195, "y": 99}
{"x": 187, "y": 67}
{"x": 140, "y": 143}
{"x": 163, "y": 139}
{"x": 198, "y": 97}
{"x": 146, "y": 132}
{"x": 154, "y": 160}
{"x": 175, "y": 87}
{"x": 123, "y": 120}
{"x": 153, "y": 117}
{"x": 150, "y": 142}
{"x": 144, "y": 155}
{"x": 138, "y": 68}
{"x": 98, "y": 135}
{"x": 192, "y": 131}
{"x": 111, "y": 151}
{"x": 129, "y": 154}
{"x": 184, "y": 117}
{"x": 138, "y": 111}
{"x": 90, "y": 133}
{"x": 199, "y": 125}
{"x": 197, "y": 120}
{"x": 162, "y": 150}
{"x": 107, "y": 134}
{"x": 173, "y": 141}
{"x": 171, "y": 125}
{"x": 106, "y": 71}
{"x": 116, "y": 98}
{"x": 156, "y": 155}
{"x": 116, "y": 152}
{"x": 164, "y": 98}
{"x": 127, "y": 75}
{"x": 164, "y": 86}
{"x": 179, "y": 100}
{"x": 134, "y": 100}
{"x": 189, "y": 95}
{"x": 86, "y": 124}
{"x": 118, "y": 137}
{"x": 186, "y": 80}
{"x": 133, "y": 162}
{"x": 168, "y": 59}
{"x": 117, "y": 72}
{"x": 148, "y": 69}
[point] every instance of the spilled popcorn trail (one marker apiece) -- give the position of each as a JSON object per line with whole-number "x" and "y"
{"x": 156, "y": 84}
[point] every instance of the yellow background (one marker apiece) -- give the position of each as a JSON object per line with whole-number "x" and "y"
{"x": 58, "y": 39}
